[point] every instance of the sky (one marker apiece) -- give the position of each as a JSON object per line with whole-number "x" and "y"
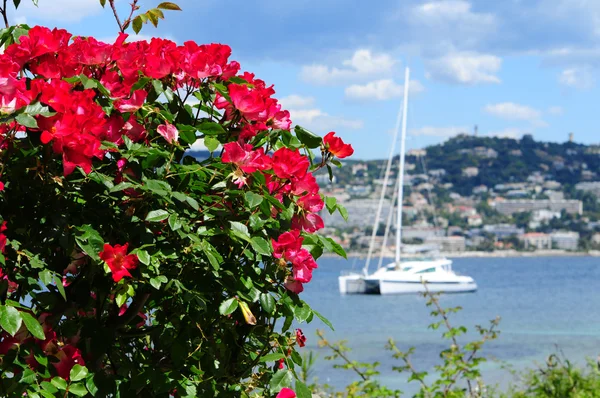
{"x": 511, "y": 67}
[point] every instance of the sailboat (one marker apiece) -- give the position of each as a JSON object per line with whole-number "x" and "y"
{"x": 403, "y": 277}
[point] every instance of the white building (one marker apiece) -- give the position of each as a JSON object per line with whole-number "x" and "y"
{"x": 509, "y": 207}
{"x": 470, "y": 171}
{"x": 448, "y": 243}
{"x": 565, "y": 240}
{"x": 536, "y": 240}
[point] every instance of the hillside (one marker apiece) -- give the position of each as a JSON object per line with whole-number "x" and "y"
{"x": 505, "y": 160}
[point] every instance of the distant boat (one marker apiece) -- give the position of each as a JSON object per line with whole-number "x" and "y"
{"x": 408, "y": 275}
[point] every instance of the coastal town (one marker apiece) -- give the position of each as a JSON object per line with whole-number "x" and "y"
{"x": 548, "y": 207}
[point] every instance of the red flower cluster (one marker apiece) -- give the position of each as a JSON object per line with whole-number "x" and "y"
{"x": 65, "y": 354}
{"x": 79, "y": 124}
{"x": 118, "y": 260}
{"x": 289, "y": 248}
{"x": 252, "y": 101}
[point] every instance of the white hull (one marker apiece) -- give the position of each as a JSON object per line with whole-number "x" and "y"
{"x": 358, "y": 284}
{"x": 405, "y": 287}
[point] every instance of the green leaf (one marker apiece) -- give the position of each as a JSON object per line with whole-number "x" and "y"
{"x": 78, "y": 372}
{"x": 274, "y": 356}
{"x": 302, "y": 391}
{"x": 91, "y": 385}
{"x": 120, "y": 299}
{"x": 302, "y": 313}
{"x": 28, "y": 377}
{"x": 211, "y": 128}
{"x": 59, "y": 383}
{"x": 33, "y": 325}
{"x": 253, "y": 199}
{"x": 174, "y": 222}
{"x": 137, "y": 24}
{"x": 26, "y": 120}
{"x": 228, "y": 306}
{"x": 283, "y": 378}
{"x": 102, "y": 2}
{"x": 187, "y": 133}
{"x": 167, "y": 5}
{"x": 211, "y": 143}
{"x": 60, "y": 287}
{"x": 343, "y": 211}
{"x": 267, "y": 302}
{"x": 308, "y": 138}
{"x": 90, "y": 241}
{"x": 323, "y": 319}
{"x": 78, "y": 389}
{"x": 46, "y": 385}
{"x": 158, "y": 86}
{"x": 37, "y": 108}
{"x": 120, "y": 187}
{"x": 155, "y": 283}
{"x": 152, "y": 17}
{"x": 10, "y": 319}
{"x": 333, "y": 246}
{"x": 261, "y": 246}
{"x": 143, "y": 256}
{"x": 157, "y": 215}
{"x": 240, "y": 230}
{"x": 331, "y": 204}
{"x": 17, "y": 2}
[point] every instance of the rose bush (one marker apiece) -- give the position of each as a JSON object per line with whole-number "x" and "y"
{"x": 127, "y": 267}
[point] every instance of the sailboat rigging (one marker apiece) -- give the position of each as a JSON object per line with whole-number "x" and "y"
{"x": 403, "y": 276}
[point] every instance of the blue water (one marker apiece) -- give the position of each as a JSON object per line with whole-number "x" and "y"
{"x": 546, "y": 305}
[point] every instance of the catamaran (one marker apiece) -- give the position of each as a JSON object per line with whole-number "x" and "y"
{"x": 408, "y": 275}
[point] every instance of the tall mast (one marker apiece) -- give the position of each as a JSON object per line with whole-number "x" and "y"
{"x": 401, "y": 167}
{"x": 383, "y": 190}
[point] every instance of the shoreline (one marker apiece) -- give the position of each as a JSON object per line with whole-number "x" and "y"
{"x": 494, "y": 254}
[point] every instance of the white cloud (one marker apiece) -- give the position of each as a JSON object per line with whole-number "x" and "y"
{"x": 449, "y": 24}
{"x": 445, "y": 132}
{"x": 381, "y": 90}
{"x": 513, "y": 111}
{"x": 436, "y": 13}
{"x": 555, "y": 111}
{"x": 363, "y": 64}
{"x": 296, "y": 101}
{"x": 578, "y": 77}
{"x": 465, "y": 68}
{"x": 319, "y": 121}
{"x": 59, "y": 10}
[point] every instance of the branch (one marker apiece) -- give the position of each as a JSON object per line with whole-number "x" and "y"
{"x": 341, "y": 354}
{"x": 4, "y": 11}
{"x": 134, "y": 7}
{"x": 112, "y": 5}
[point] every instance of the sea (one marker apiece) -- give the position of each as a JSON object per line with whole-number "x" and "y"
{"x": 547, "y": 305}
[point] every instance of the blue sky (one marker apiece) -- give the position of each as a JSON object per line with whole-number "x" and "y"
{"x": 512, "y": 67}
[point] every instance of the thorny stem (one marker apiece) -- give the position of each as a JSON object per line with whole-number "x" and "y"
{"x": 341, "y": 354}
{"x": 128, "y": 20}
{"x": 114, "y": 9}
{"x": 407, "y": 362}
{"x": 443, "y": 313}
{"x": 4, "y": 12}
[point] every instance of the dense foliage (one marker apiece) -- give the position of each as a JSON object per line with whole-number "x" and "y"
{"x": 129, "y": 268}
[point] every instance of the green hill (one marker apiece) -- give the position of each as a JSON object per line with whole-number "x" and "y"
{"x": 504, "y": 160}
